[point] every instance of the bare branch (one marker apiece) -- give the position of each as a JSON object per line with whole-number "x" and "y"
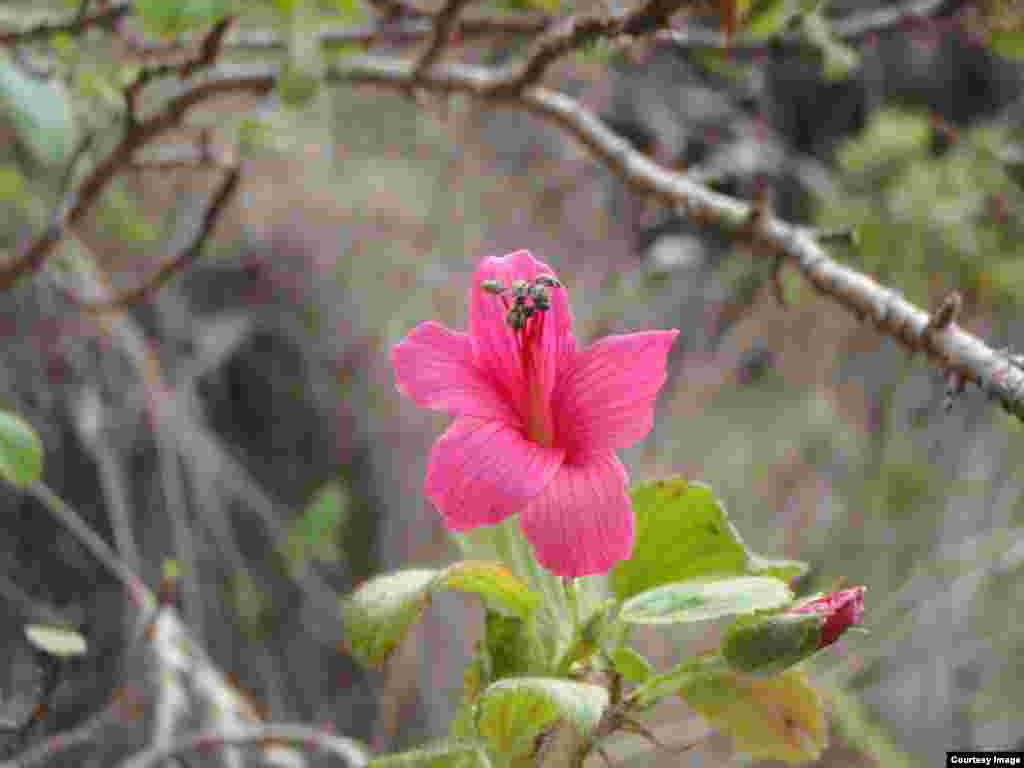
{"x": 444, "y": 23}
{"x": 32, "y": 255}
{"x": 954, "y": 349}
{"x": 263, "y": 735}
{"x": 218, "y": 202}
{"x": 209, "y": 49}
{"x": 849, "y": 28}
{"x": 74, "y": 24}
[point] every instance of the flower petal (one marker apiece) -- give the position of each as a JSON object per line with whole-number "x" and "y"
{"x": 434, "y": 368}
{"x": 582, "y": 522}
{"x": 496, "y": 347}
{"x": 483, "y": 471}
{"x": 606, "y": 401}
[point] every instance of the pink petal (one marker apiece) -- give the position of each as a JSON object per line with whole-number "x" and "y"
{"x": 582, "y": 522}
{"x": 434, "y": 368}
{"x": 606, "y": 401}
{"x": 483, "y": 471}
{"x": 496, "y": 347}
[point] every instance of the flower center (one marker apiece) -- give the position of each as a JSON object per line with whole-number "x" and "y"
{"x": 526, "y": 313}
{"x": 538, "y": 416}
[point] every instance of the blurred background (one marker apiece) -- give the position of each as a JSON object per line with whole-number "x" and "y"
{"x": 243, "y": 420}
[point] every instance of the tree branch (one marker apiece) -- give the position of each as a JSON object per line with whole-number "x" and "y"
{"x": 137, "y": 135}
{"x": 218, "y": 202}
{"x": 848, "y": 28}
{"x": 74, "y": 24}
{"x": 444, "y": 24}
{"x": 954, "y": 349}
{"x": 264, "y": 735}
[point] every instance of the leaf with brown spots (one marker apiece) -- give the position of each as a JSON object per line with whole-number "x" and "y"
{"x": 779, "y": 717}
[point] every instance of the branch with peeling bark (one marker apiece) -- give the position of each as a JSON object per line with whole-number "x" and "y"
{"x": 955, "y": 350}
{"x": 952, "y": 348}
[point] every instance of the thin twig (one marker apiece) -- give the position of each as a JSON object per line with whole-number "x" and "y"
{"x": 444, "y": 23}
{"x": 95, "y": 544}
{"x": 32, "y": 255}
{"x": 262, "y": 736}
{"x": 218, "y": 202}
{"x": 74, "y": 24}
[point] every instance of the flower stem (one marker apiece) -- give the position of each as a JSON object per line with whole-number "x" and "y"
{"x": 561, "y": 606}
{"x": 570, "y": 598}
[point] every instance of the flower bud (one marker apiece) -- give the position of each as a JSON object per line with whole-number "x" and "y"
{"x": 772, "y": 644}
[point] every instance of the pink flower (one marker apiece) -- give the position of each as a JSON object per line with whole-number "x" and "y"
{"x": 538, "y": 421}
{"x": 840, "y": 610}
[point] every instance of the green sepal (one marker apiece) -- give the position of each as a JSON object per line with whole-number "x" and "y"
{"x": 769, "y": 645}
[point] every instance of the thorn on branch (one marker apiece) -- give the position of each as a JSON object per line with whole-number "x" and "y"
{"x": 779, "y": 288}
{"x": 838, "y": 237}
{"x": 956, "y": 383}
{"x": 947, "y": 312}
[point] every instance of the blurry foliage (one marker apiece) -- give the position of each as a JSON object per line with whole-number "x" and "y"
{"x": 316, "y": 533}
{"x": 40, "y": 111}
{"x": 926, "y": 223}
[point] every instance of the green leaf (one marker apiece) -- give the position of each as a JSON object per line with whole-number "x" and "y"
{"x": 441, "y": 754}
{"x": 315, "y": 534}
{"x": 1008, "y": 43}
{"x": 767, "y": 18}
{"x": 631, "y": 665}
{"x": 839, "y": 58}
{"x": 683, "y": 532}
{"x": 56, "y": 641}
{"x": 380, "y": 612}
{"x": 41, "y": 112}
{"x": 776, "y": 568}
{"x": 699, "y": 601}
{"x": 512, "y": 646}
{"x": 493, "y": 582}
{"x": 666, "y": 684}
{"x": 21, "y": 451}
{"x": 514, "y": 712}
{"x": 350, "y": 11}
{"x": 296, "y": 86}
{"x": 587, "y": 639}
{"x": 778, "y": 717}
{"x": 12, "y": 184}
{"x": 759, "y": 645}
{"x": 168, "y": 18}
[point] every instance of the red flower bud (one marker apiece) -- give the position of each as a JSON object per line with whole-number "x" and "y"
{"x": 768, "y": 645}
{"x": 841, "y": 610}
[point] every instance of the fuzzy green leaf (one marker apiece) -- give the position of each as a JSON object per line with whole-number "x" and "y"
{"x": 21, "y": 451}
{"x": 515, "y": 711}
{"x": 699, "y": 601}
{"x": 631, "y": 665}
{"x": 778, "y": 718}
{"x": 41, "y": 112}
{"x": 380, "y": 612}
{"x": 683, "y": 533}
